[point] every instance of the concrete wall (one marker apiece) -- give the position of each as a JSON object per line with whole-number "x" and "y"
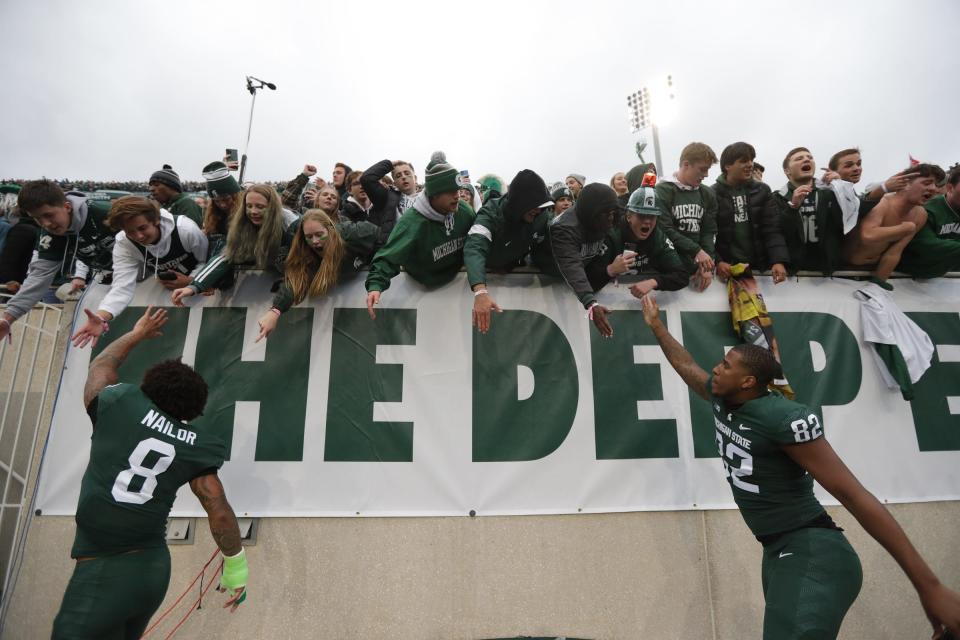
{"x": 687, "y": 574}
{"x": 637, "y": 575}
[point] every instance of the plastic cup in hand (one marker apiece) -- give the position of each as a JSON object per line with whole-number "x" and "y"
{"x": 630, "y": 251}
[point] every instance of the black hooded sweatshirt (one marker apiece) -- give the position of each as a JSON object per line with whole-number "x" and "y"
{"x": 577, "y": 237}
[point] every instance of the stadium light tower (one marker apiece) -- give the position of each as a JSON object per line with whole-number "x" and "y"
{"x": 253, "y": 85}
{"x": 648, "y": 109}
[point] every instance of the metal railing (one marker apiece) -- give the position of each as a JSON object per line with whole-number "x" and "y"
{"x": 30, "y": 366}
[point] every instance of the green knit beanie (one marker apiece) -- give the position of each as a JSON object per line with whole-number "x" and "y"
{"x": 441, "y": 178}
{"x": 219, "y": 181}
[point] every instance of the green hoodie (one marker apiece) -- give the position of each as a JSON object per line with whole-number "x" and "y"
{"x": 689, "y": 218}
{"x": 498, "y": 243}
{"x": 430, "y": 251}
{"x": 656, "y": 258}
{"x": 183, "y": 205}
{"x": 935, "y": 249}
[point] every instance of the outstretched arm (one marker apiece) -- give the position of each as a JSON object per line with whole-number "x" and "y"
{"x": 941, "y": 605}
{"x": 678, "y": 357}
{"x": 226, "y": 533}
{"x": 103, "y": 370}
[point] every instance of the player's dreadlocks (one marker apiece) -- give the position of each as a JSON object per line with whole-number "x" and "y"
{"x": 760, "y": 363}
{"x": 176, "y": 388}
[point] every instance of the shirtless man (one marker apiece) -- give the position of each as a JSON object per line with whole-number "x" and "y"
{"x": 847, "y": 165}
{"x": 881, "y": 236}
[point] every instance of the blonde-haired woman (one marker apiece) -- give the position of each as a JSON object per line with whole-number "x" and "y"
{"x": 320, "y": 253}
{"x": 619, "y": 183}
{"x": 259, "y": 236}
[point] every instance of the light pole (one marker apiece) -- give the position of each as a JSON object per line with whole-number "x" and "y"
{"x": 253, "y": 84}
{"x": 642, "y": 115}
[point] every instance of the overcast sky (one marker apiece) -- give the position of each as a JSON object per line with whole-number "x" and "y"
{"x": 114, "y": 89}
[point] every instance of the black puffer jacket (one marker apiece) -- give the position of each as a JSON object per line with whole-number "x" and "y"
{"x": 769, "y": 246}
{"x": 386, "y": 201}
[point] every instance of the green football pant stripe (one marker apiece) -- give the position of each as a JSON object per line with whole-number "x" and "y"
{"x": 113, "y": 597}
{"x": 810, "y": 579}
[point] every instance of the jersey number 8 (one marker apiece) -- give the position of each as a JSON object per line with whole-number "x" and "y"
{"x": 121, "y": 486}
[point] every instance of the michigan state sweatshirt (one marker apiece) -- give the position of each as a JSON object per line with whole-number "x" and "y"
{"x": 427, "y": 244}
{"x": 935, "y": 249}
{"x": 689, "y": 218}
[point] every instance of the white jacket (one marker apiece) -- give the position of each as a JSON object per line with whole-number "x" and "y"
{"x": 130, "y": 267}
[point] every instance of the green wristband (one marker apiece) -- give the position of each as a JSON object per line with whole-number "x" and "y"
{"x": 235, "y": 571}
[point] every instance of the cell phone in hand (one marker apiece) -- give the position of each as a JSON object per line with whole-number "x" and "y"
{"x": 167, "y": 275}
{"x": 232, "y": 155}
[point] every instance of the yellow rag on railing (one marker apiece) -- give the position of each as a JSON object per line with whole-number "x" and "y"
{"x": 751, "y": 321}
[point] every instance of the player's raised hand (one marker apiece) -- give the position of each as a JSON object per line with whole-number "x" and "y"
{"x": 942, "y": 607}
{"x": 651, "y": 310}
{"x": 148, "y": 326}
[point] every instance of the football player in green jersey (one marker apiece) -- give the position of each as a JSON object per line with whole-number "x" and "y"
{"x": 143, "y": 449}
{"x": 772, "y": 449}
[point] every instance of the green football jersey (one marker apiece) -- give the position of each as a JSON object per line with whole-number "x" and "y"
{"x": 774, "y": 493}
{"x": 139, "y": 458}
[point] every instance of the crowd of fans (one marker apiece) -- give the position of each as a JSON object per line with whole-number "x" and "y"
{"x": 655, "y": 232}
{"x": 138, "y": 187}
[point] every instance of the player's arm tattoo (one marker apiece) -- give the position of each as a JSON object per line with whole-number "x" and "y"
{"x": 681, "y": 360}
{"x": 103, "y": 369}
{"x": 222, "y": 520}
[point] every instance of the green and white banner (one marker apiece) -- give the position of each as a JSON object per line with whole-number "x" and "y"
{"x": 415, "y": 413}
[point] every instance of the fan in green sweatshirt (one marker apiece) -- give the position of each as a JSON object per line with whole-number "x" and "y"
{"x": 689, "y": 210}
{"x": 505, "y": 231}
{"x": 935, "y": 249}
{"x": 427, "y": 241}
{"x": 690, "y": 218}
